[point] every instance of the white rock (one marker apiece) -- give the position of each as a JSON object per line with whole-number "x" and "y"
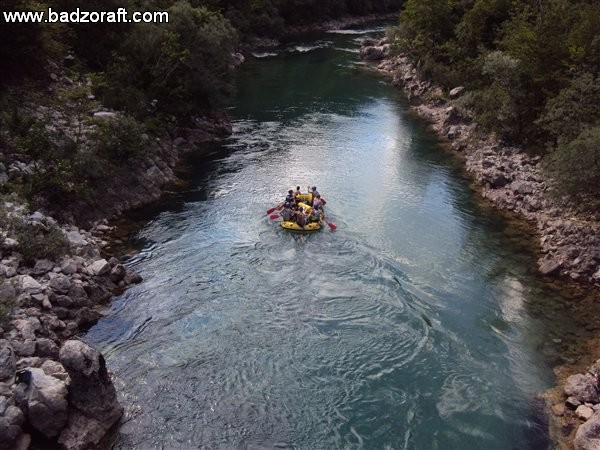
{"x": 30, "y": 285}
{"x": 10, "y": 244}
{"x": 76, "y": 239}
{"x": 584, "y": 412}
{"x": 105, "y": 114}
{"x": 100, "y": 267}
{"x": 456, "y": 91}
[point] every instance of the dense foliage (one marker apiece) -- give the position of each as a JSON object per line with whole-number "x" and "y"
{"x": 159, "y": 76}
{"x": 532, "y": 69}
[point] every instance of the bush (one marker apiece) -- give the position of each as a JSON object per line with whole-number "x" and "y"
{"x": 119, "y": 139}
{"x": 576, "y": 166}
{"x": 38, "y": 241}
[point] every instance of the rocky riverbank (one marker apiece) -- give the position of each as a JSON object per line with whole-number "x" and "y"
{"x": 54, "y": 389}
{"x": 514, "y": 181}
{"x": 507, "y": 176}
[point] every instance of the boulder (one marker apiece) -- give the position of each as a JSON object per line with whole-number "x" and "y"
{"x": 9, "y": 434}
{"x": 100, "y": 267}
{"x": 8, "y": 361}
{"x": 86, "y": 317}
{"x": 60, "y": 284}
{"x": 132, "y": 277}
{"x": 46, "y": 402}
{"x": 42, "y": 266}
{"x": 26, "y": 328}
{"x": 75, "y": 238}
{"x": 105, "y": 115}
{"x": 456, "y": 91}
{"x": 583, "y": 387}
{"x": 46, "y": 347}
{"x": 374, "y": 53}
{"x": 549, "y": 267}
{"x": 10, "y": 244}
{"x": 55, "y": 369}
{"x": 29, "y": 285}
{"x": 92, "y": 396}
{"x": 584, "y": 412}
{"x": 68, "y": 267}
{"x": 522, "y": 187}
{"x": 117, "y": 273}
{"x": 25, "y": 348}
{"x": 588, "y": 434}
{"x": 495, "y": 178}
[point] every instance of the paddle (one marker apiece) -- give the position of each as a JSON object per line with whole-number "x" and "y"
{"x": 274, "y": 216}
{"x": 269, "y": 211}
{"x": 329, "y": 224}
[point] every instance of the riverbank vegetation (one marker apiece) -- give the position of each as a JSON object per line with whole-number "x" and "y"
{"x": 532, "y": 70}
{"x": 83, "y": 102}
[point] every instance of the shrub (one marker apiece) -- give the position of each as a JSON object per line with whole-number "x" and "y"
{"x": 39, "y": 241}
{"x": 576, "y": 164}
{"x": 119, "y": 139}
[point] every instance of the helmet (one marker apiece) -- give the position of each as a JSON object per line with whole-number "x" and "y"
{"x": 314, "y": 188}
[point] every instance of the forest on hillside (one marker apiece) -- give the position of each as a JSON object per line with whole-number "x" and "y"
{"x": 157, "y": 76}
{"x": 532, "y": 70}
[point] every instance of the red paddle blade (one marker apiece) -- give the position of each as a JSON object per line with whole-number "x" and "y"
{"x": 273, "y": 216}
{"x": 269, "y": 211}
{"x": 332, "y": 226}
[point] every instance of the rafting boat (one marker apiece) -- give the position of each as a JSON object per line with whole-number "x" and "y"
{"x": 311, "y": 226}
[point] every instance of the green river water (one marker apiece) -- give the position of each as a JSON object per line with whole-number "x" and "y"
{"x": 418, "y": 324}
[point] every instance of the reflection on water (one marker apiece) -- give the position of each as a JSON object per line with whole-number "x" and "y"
{"x": 416, "y": 325}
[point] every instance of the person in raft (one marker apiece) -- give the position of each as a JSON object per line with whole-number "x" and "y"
{"x": 314, "y": 193}
{"x": 300, "y": 217}
{"x": 318, "y": 202}
{"x": 290, "y": 198}
{"x": 287, "y": 214}
{"x": 296, "y": 193}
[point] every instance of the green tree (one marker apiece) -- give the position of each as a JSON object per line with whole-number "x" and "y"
{"x": 576, "y": 166}
{"x": 180, "y": 68}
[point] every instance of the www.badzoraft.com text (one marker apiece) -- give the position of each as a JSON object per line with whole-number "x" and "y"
{"x": 80, "y": 16}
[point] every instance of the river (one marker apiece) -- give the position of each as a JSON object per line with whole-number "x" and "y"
{"x": 419, "y": 323}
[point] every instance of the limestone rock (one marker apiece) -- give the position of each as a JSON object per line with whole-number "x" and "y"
{"x": 9, "y": 434}
{"x": 100, "y": 267}
{"x": 588, "y": 434}
{"x": 495, "y": 178}
{"x": 7, "y": 361}
{"x": 68, "y": 267}
{"x": 456, "y": 91}
{"x": 60, "y": 284}
{"x": 46, "y": 347}
{"x": 584, "y": 412}
{"x": 117, "y": 273}
{"x": 30, "y": 285}
{"x": 42, "y": 266}
{"x": 92, "y": 396}
{"x": 46, "y": 403}
{"x": 549, "y": 267}
{"x": 375, "y": 53}
{"x": 583, "y": 387}
{"x": 75, "y": 238}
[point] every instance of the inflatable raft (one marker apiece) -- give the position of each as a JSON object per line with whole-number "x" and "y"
{"x": 311, "y": 226}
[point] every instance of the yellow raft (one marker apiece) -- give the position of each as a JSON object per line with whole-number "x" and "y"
{"x": 311, "y": 226}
